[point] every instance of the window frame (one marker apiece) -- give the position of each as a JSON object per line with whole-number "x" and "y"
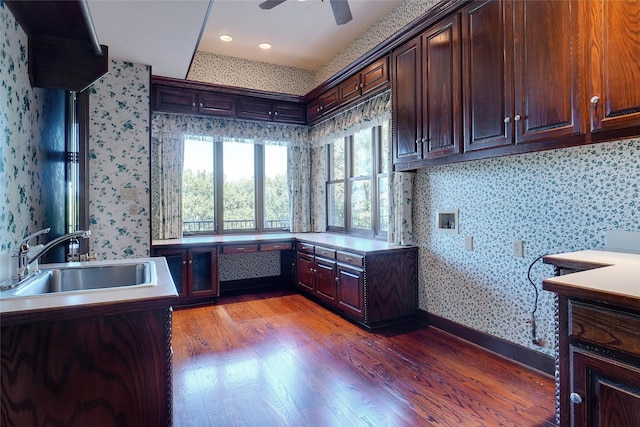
{"x": 218, "y": 184}
{"x": 377, "y": 172}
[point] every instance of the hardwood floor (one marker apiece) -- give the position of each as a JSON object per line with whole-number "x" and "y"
{"x": 278, "y": 359}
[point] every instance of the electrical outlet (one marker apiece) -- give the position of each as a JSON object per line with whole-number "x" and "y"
{"x": 518, "y": 248}
{"x": 468, "y": 243}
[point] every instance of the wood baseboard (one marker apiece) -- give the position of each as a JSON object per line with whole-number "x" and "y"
{"x": 518, "y": 353}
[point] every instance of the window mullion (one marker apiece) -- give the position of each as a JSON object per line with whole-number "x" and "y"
{"x": 218, "y": 180}
{"x": 259, "y": 186}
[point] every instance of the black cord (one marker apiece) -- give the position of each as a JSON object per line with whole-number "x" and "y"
{"x": 534, "y": 337}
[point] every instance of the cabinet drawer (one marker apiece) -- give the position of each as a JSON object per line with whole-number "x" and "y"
{"x": 612, "y": 329}
{"x": 305, "y": 248}
{"x": 350, "y": 258}
{"x": 275, "y": 246}
{"x": 325, "y": 252}
{"x": 239, "y": 249}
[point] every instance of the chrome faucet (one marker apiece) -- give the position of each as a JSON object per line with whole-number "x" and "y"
{"x": 21, "y": 256}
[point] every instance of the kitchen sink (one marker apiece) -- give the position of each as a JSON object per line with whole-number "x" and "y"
{"x": 85, "y": 278}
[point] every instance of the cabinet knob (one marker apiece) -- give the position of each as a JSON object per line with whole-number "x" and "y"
{"x": 507, "y": 119}
{"x": 275, "y": 114}
{"x": 595, "y": 99}
{"x": 360, "y": 85}
{"x": 193, "y": 104}
{"x": 575, "y": 398}
{"x": 311, "y": 270}
{"x": 517, "y": 118}
{"x": 190, "y": 261}
{"x": 337, "y": 279}
{"x": 269, "y": 112}
{"x": 184, "y": 262}
{"x": 201, "y": 105}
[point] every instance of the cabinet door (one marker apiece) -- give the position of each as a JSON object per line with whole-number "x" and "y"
{"x": 350, "y": 89}
{"x": 407, "y": 102}
{"x": 174, "y": 100}
{"x": 325, "y": 271}
{"x": 218, "y": 104}
{"x": 177, "y": 262}
{"x": 441, "y": 99}
{"x": 487, "y": 75}
{"x": 614, "y": 64}
{"x": 305, "y": 273}
{"x": 605, "y": 392}
{"x": 313, "y": 110}
{"x": 351, "y": 290}
{"x": 547, "y": 81}
{"x": 203, "y": 272}
{"x": 252, "y": 108}
{"x": 375, "y": 76}
{"x": 329, "y": 101}
{"x": 289, "y": 112}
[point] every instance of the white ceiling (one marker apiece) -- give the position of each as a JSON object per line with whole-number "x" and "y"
{"x": 164, "y": 33}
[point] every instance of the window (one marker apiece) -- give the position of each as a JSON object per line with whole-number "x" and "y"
{"x": 233, "y": 186}
{"x": 358, "y": 182}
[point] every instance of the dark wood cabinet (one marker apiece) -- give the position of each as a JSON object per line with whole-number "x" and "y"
{"x": 350, "y": 298}
{"x": 521, "y": 72}
{"x": 407, "y": 102}
{"x": 187, "y": 97}
{"x": 427, "y": 94}
{"x": 263, "y": 109}
{"x": 372, "y": 289}
{"x": 606, "y": 391}
{"x": 614, "y": 66}
{"x": 194, "y": 271}
{"x": 324, "y": 104}
{"x": 369, "y": 80}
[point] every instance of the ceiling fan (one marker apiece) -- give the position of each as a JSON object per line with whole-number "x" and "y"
{"x": 341, "y": 10}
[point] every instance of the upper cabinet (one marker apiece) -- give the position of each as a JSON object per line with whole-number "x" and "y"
{"x": 521, "y": 73}
{"x": 185, "y": 97}
{"x": 614, "y": 67}
{"x": 264, "y": 109}
{"x": 369, "y": 81}
{"x": 427, "y": 94}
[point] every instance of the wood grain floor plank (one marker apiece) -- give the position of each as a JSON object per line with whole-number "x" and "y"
{"x": 278, "y": 359}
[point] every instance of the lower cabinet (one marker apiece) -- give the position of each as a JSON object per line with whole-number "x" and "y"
{"x": 599, "y": 372}
{"x": 373, "y": 289}
{"x": 194, "y": 271}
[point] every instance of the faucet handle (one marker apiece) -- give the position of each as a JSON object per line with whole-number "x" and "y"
{"x": 24, "y": 245}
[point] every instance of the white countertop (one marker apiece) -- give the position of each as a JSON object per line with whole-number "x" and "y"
{"x": 348, "y": 242}
{"x": 619, "y": 274}
{"x": 164, "y": 288}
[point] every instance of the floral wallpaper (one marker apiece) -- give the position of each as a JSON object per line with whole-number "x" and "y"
{"x": 229, "y": 71}
{"x": 555, "y": 201}
{"x": 22, "y": 123}
{"x": 119, "y": 141}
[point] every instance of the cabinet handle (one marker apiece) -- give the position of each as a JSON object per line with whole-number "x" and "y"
{"x": 507, "y": 119}
{"x": 360, "y": 85}
{"x": 517, "y": 118}
{"x": 575, "y": 398}
{"x": 239, "y": 249}
{"x": 595, "y": 99}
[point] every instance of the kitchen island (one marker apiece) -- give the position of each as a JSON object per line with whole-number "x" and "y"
{"x": 99, "y": 358}
{"x": 598, "y": 337}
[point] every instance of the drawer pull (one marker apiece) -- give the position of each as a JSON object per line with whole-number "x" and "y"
{"x": 575, "y": 398}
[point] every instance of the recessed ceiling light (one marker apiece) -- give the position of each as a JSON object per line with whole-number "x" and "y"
{"x": 264, "y": 46}
{"x": 226, "y": 38}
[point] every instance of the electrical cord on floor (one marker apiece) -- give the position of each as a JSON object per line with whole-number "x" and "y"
{"x": 534, "y": 335}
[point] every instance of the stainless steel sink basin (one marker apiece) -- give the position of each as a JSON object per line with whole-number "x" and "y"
{"x": 83, "y": 278}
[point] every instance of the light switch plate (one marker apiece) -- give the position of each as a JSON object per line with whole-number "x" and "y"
{"x": 468, "y": 243}
{"x": 518, "y": 248}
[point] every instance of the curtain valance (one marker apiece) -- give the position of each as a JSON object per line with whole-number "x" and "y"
{"x": 372, "y": 112}
{"x": 172, "y": 125}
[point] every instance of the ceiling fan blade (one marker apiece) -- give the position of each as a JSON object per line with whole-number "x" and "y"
{"x": 341, "y": 11}
{"x": 270, "y": 4}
